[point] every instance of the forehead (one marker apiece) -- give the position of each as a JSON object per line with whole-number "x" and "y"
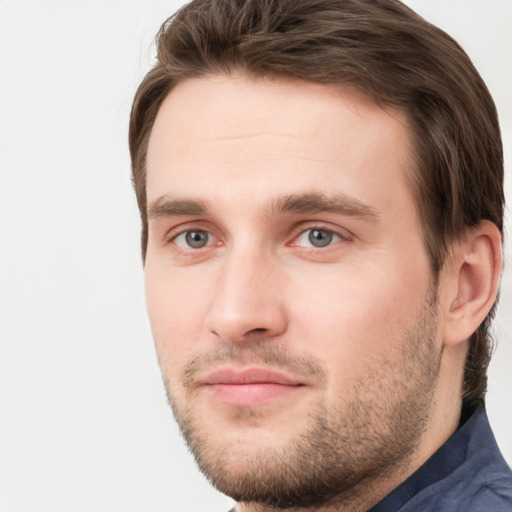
{"x": 217, "y": 133}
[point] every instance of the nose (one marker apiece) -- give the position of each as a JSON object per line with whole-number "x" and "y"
{"x": 249, "y": 300}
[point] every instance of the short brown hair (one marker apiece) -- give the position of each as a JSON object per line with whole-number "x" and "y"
{"x": 384, "y": 49}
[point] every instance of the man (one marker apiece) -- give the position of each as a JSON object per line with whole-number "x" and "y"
{"x": 321, "y": 191}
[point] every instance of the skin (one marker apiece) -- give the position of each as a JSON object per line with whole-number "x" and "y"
{"x": 346, "y": 323}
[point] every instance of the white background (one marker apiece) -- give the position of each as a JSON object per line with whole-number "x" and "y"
{"x": 84, "y": 424}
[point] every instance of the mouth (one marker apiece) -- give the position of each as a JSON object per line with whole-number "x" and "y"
{"x": 249, "y": 387}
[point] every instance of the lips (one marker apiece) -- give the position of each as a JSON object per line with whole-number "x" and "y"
{"x": 249, "y": 386}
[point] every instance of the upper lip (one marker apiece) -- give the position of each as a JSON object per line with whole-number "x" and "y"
{"x": 240, "y": 376}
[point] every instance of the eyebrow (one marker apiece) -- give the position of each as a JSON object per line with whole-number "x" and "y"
{"x": 296, "y": 203}
{"x": 166, "y": 207}
{"x": 340, "y": 204}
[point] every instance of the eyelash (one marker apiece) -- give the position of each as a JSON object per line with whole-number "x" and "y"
{"x": 341, "y": 234}
{"x": 331, "y": 235}
{"x": 189, "y": 231}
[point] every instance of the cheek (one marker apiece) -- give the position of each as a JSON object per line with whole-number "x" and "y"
{"x": 175, "y": 311}
{"x": 347, "y": 319}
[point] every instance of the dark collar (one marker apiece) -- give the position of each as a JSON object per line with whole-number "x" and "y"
{"x": 470, "y": 445}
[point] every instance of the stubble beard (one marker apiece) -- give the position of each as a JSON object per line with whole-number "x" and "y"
{"x": 368, "y": 435}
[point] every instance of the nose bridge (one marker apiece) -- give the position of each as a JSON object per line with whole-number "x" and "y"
{"x": 246, "y": 299}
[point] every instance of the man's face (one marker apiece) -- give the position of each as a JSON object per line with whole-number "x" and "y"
{"x": 288, "y": 287}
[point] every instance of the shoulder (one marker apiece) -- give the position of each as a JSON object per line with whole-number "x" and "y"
{"x": 467, "y": 474}
{"x": 462, "y": 494}
{"x": 483, "y": 483}
{"x": 489, "y": 498}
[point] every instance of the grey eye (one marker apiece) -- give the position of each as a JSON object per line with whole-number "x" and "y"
{"x": 196, "y": 239}
{"x": 193, "y": 239}
{"x": 320, "y": 237}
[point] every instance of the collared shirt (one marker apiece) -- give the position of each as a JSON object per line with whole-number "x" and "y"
{"x": 467, "y": 474}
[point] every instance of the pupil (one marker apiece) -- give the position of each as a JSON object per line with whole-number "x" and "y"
{"x": 196, "y": 239}
{"x": 320, "y": 238}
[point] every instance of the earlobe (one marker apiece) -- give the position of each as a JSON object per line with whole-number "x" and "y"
{"x": 473, "y": 275}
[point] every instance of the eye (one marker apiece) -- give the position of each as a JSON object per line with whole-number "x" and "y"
{"x": 193, "y": 239}
{"x": 317, "y": 238}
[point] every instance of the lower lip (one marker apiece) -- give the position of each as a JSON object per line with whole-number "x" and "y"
{"x": 246, "y": 395}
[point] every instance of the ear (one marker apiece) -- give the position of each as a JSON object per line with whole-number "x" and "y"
{"x": 471, "y": 278}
